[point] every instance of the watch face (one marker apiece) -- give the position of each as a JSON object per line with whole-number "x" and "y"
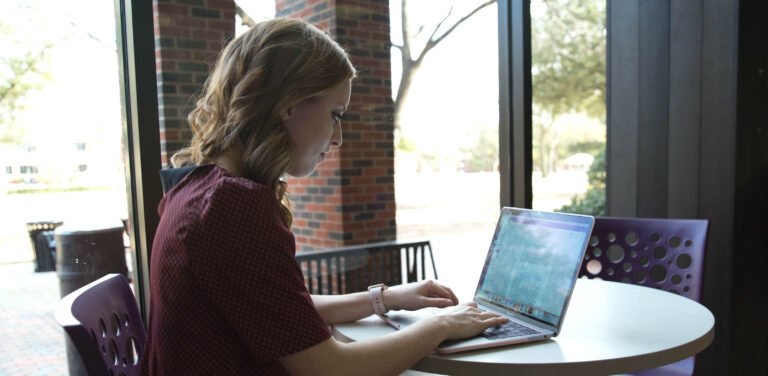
{"x": 383, "y": 286}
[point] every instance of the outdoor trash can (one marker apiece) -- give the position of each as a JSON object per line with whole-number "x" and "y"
{"x": 84, "y": 255}
{"x": 41, "y": 237}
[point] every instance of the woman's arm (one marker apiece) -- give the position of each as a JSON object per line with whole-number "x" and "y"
{"x": 351, "y": 307}
{"x": 394, "y": 353}
{"x": 343, "y": 308}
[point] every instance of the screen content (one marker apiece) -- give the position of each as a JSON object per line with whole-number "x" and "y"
{"x": 531, "y": 264}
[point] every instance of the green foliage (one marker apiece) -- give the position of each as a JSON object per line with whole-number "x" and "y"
{"x": 568, "y": 51}
{"x": 589, "y": 147}
{"x": 26, "y": 191}
{"x": 596, "y": 172}
{"x": 483, "y": 155}
{"x": 593, "y": 202}
{"x": 22, "y": 69}
{"x": 568, "y": 42}
{"x": 405, "y": 144}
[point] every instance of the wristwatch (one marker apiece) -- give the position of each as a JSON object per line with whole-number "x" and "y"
{"x": 377, "y": 298}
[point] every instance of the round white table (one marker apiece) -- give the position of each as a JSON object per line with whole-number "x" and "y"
{"x": 609, "y": 328}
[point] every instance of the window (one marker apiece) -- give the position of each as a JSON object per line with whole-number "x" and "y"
{"x": 446, "y": 120}
{"x": 54, "y": 39}
{"x": 27, "y": 170}
{"x": 568, "y": 60}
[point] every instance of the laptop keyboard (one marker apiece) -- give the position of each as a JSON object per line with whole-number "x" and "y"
{"x": 510, "y": 329}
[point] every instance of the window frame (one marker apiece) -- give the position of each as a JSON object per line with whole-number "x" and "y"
{"x": 141, "y": 133}
{"x": 515, "y": 98}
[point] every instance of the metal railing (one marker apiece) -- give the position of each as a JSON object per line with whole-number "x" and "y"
{"x": 354, "y": 268}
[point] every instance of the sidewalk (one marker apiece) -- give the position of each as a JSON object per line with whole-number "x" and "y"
{"x": 32, "y": 342}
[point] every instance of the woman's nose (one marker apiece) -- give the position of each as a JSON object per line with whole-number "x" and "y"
{"x": 336, "y": 138}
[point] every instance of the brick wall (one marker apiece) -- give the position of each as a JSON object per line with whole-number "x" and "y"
{"x": 350, "y": 198}
{"x": 188, "y": 36}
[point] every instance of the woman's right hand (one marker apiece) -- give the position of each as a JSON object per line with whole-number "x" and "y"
{"x": 393, "y": 353}
{"x": 466, "y": 320}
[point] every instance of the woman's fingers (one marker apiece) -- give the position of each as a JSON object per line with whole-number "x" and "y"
{"x": 468, "y": 320}
{"x": 437, "y": 302}
{"x": 442, "y": 291}
{"x": 484, "y": 316}
{"x": 496, "y": 320}
{"x": 452, "y": 295}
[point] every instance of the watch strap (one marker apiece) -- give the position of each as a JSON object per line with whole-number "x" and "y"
{"x": 377, "y": 298}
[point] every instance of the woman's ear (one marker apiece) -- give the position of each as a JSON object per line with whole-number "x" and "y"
{"x": 286, "y": 114}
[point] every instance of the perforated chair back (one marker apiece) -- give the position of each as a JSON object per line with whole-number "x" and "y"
{"x": 104, "y": 323}
{"x": 666, "y": 254}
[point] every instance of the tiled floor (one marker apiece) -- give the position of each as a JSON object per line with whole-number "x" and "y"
{"x": 31, "y": 343}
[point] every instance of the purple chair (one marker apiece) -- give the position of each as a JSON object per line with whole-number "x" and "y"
{"x": 103, "y": 322}
{"x": 666, "y": 254}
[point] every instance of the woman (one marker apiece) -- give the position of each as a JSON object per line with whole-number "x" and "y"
{"x": 227, "y": 296}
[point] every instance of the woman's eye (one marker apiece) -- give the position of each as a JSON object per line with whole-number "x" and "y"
{"x": 337, "y": 116}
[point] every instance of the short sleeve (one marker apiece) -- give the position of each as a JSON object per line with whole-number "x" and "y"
{"x": 243, "y": 257}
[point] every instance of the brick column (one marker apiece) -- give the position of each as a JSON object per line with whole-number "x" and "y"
{"x": 188, "y": 37}
{"x": 350, "y": 199}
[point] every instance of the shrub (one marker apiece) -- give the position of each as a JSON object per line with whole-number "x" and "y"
{"x": 593, "y": 201}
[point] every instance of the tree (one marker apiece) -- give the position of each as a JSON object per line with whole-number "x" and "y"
{"x": 483, "y": 155}
{"x": 568, "y": 68}
{"x": 21, "y": 69}
{"x": 245, "y": 18}
{"x": 421, "y": 28}
{"x": 411, "y": 57}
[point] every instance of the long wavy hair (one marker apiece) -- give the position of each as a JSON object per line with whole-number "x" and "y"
{"x": 257, "y": 77}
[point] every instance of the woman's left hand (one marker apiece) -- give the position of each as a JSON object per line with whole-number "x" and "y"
{"x": 419, "y": 295}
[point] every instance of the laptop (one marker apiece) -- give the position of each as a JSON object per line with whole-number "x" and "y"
{"x": 528, "y": 276}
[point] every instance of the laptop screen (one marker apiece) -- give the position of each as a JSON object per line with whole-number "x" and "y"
{"x": 533, "y": 261}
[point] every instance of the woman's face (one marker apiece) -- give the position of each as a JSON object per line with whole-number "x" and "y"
{"x": 314, "y": 125}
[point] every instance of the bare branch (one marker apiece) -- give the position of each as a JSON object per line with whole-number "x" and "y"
{"x": 247, "y": 20}
{"x": 431, "y": 43}
{"x": 440, "y": 24}
{"x": 410, "y": 65}
{"x": 406, "y": 49}
{"x": 98, "y": 40}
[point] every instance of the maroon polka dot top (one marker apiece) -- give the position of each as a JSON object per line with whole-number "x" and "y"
{"x": 227, "y": 296}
